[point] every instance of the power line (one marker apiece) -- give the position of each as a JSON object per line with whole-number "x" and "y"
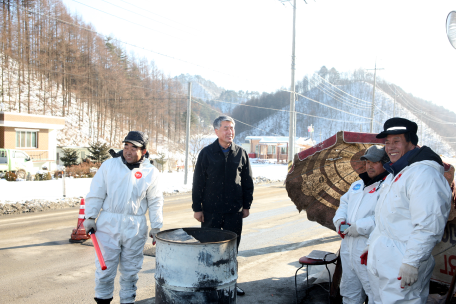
{"x": 124, "y": 19}
{"x": 235, "y": 119}
{"x": 130, "y": 44}
{"x": 143, "y": 9}
{"x": 369, "y": 103}
{"x": 327, "y": 105}
{"x": 282, "y": 110}
{"x": 145, "y": 16}
{"x": 339, "y": 98}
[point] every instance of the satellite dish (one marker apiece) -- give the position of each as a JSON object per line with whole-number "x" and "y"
{"x": 451, "y": 28}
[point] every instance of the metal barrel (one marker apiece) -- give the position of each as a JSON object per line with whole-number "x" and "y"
{"x": 197, "y": 273}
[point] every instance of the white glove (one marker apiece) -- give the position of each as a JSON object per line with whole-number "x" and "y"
{"x": 152, "y": 233}
{"x": 351, "y": 231}
{"x": 338, "y": 223}
{"x": 407, "y": 274}
{"x": 89, "y": 224}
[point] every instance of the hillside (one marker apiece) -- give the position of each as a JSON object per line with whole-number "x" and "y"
{"x": 60, "y": 66}
{"x": 217, "y": 97}
{"x": 331, "y": 108}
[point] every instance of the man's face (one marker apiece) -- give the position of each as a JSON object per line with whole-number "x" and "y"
{"x": 131, "y": 153}
{"x": 226, "y": 133}
{"x": 396, "y": 146}
{"x": 374, "y": 168}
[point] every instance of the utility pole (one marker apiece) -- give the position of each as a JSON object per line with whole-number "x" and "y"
{"x": 394, "y": 108}
{"x": 292, "y": 131}
{"x": 373, "y": 96}
{"x": 187, "y": 129}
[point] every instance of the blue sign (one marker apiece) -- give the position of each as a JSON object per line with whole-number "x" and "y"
{"x": 357, "y": 187}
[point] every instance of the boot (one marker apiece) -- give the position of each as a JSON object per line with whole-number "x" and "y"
{"x": 103, "y": 301}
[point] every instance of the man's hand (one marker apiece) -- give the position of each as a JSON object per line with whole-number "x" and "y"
{"x": 351, "y": 231}
{"x": 338, "y": 223}
{"x": 89, "y": 224}
{"x": 199, "y": 216}
{"x": 152, "y": 233}
{"x": 245, "y": 213}
{"x": 407, "y": 274}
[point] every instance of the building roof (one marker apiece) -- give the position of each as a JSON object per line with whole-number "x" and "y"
{"x": 29, "y": 121}
{"x": 274, "y": 140}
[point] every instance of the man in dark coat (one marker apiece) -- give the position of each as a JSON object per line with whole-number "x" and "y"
{"x": 222, "y": 182}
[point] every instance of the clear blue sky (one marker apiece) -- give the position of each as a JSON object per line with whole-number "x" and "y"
{"x": 246, "y": 45}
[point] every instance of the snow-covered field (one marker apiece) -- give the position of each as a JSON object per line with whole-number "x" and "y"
{"x": 14, "y": 192}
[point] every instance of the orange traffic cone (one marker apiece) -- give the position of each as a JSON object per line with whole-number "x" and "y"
{"x": 79, "y": 234}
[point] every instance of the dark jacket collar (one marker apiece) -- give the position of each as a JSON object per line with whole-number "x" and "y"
{"x": 412, "y": 156}
{"x": 215, "y": 147}
{"x": 129, "y": 166}
{"x": 368, "y": 181}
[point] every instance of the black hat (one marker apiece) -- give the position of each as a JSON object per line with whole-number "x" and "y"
{"x": 137, "y": 138}
{"x": 398, "y": 125}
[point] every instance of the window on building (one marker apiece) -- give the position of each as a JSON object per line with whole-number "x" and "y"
{"x": 271, "y": 149}
{"x": 283, "y": 150}
{"x": 58, "y": 158}
{"x": 257, "y": 150}
{"x": 26, "y": 139}
{"x": 83, "y": 155}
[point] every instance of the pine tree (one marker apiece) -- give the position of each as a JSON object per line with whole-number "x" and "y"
{"x": 70, "y": 157}
{"x": 98, "y": 152}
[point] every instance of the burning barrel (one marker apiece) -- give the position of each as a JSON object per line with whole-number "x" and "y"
{"x": 196, "y": 265}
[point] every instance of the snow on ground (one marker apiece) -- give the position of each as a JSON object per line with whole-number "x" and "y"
{"x": 53, "y": 190}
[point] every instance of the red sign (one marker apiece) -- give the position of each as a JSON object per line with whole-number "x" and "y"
{"x": 138, "y": 175}
{"x": 372, "y": 191}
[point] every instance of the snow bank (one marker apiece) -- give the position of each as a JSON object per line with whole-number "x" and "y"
{"x": 29, "y": 196}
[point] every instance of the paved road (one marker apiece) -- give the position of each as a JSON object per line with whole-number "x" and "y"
{"x": 39, "y": 265}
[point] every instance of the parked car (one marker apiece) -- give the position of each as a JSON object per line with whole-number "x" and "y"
{"x": 16, "y": 161}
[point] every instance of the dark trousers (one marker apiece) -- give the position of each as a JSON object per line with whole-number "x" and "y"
{"x": 225, "y": 221}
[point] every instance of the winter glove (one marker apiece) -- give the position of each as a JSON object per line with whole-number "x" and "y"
{"x": 153, "y": 234}
{"x": 364, "y": 255}
{"x": 407, "y": 274}
{"x": 338, "y": 223}
{"x": 351, "y": 231}
{"x": 89, "y": 224}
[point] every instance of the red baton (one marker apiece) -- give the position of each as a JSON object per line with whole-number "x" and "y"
{"x": 97, "y": 249}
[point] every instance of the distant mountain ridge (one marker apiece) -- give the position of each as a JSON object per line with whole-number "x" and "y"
{"x": 346, "y": 106}
{"x": 218, "y": 97}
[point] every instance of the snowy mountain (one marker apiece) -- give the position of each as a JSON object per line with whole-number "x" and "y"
{"x": 329, "y": 110}
{"x": 206, "y": 90}
{"x": 201, "y": 88}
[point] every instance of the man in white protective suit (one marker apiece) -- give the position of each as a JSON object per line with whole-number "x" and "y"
{"x": 357, "y": 210}
{"x": 410, "y": 217}
{"x": 123, "y": 189}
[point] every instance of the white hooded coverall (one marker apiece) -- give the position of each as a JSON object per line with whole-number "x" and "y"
{"x": 411, "y": 214}
{"x": 357, "y": 207}
{"x": 123, "y": 196}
